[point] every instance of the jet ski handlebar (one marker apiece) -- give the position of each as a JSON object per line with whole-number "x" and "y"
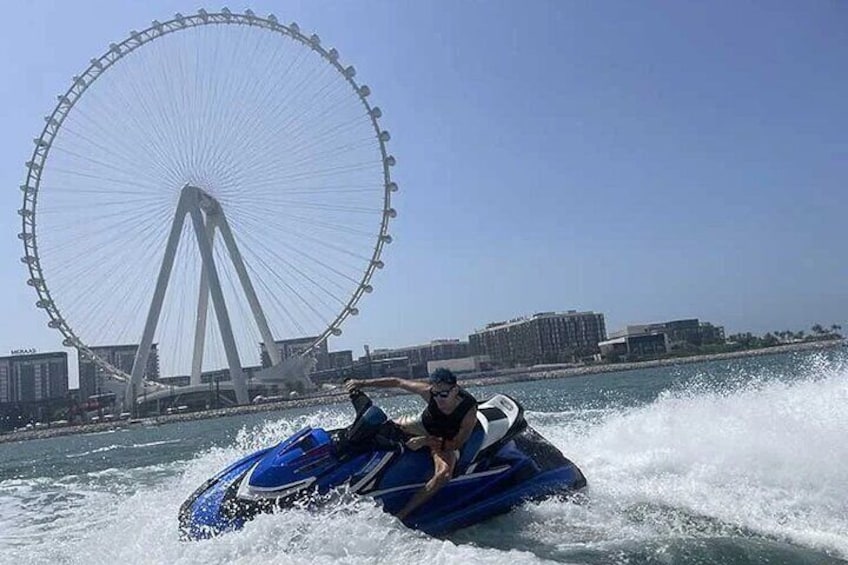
{"x": 371, "y": 428}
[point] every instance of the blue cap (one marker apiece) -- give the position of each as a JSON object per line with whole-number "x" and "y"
{"x": 443, "y": 376}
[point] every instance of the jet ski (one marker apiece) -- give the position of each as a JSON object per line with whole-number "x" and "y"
{"x": 502, "y": 464}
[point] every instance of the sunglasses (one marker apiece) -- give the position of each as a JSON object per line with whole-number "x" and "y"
{"x": 442, "y": 393}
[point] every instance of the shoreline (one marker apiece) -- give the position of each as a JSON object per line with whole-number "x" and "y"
{"x": 507, "y": 376}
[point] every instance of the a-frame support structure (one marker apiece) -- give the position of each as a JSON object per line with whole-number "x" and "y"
{"x": 207, "y": 217}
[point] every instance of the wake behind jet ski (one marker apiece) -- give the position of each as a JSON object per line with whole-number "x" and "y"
{"x": 503, "y": 463}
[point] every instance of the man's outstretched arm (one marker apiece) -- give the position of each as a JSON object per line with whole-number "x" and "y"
{"x": 420, "y": 388}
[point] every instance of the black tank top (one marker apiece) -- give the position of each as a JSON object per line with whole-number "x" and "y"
{"x": 446, "y": 426}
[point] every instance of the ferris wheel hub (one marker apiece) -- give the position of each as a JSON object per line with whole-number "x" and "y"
{"x": 206, "y": 201}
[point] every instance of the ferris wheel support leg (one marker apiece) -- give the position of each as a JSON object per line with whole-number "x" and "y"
{"x": 202, "y": 312}
{"x": 143, "y": 352}
{"x": 236, "y": 373}
{"x": 249, "y": 291}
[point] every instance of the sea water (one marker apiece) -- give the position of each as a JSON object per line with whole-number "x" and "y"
{"x": 731, "y": 462}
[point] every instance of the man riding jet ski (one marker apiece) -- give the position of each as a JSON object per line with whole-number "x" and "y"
{"x": 444, "y": 426}
{"x": 503, "y": 463}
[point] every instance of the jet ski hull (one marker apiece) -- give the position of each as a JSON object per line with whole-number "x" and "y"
{"x": 503, "y": 464}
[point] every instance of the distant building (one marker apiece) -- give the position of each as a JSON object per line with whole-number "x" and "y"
{"x": 33, "y": 377}
{"x": 297, "y": 346}
{"x": 33, "y": 388}
{"x": 418, "y": 356}
{"x": 221, "y": 375}
{"x": 546, "y": 337}
{"x": 210, "y": 376}
{"x": 176, "y": 380}
{"x": 390, "y": 367}
{"x": 93, "y": 380}
{"x": 436, "y": 350}
{"x": 634, "y": 347}
{"x": 682, "y": 331}
{"x": 679, "y": 333}
{"x": 636, "y": 329}
{"x": 711, "y": 334}
{"x": 471, "y": 364}
{"x": 338, "y": 360}
{"x": 363, "y": 369}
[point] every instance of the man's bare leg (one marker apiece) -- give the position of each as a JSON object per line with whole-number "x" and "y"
{"x": 444, "y": 462}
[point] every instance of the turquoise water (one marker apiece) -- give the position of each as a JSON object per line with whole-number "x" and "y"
{"x": 742, "y": 461}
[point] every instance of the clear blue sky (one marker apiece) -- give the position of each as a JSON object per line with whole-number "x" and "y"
{"x": 648, "y": 160}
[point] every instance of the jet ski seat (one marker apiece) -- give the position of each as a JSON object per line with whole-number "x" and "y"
{"x": 494, "y": 427}
{"x": 471, "y": 448}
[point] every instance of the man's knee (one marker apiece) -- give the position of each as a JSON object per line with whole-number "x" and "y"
{"x": 411, "y": 425}
{"x": 440, "y": 478}
{"x": 443, "y": 471}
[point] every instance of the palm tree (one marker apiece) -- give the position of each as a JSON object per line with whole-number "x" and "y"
{"x": 817, "y": 329}
{"x": 835, "y": 330}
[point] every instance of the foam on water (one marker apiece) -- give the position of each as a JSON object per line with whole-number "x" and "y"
{"x": 764, "y": 459}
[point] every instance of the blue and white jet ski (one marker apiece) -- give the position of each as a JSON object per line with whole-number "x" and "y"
{"x": 503, "y": 463}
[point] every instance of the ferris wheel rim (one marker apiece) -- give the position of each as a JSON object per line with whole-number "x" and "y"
{"x": 116, "y": 52}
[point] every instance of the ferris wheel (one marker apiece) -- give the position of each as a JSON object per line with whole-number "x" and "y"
{"x": 216, "y": 167}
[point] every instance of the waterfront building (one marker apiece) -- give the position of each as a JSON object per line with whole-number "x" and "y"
{"x": 419, "y": 355}
{"x": 94, "y": 380}
{"x": 470, "y": 364}
{"x": 33, "y": 377}
{"x": 297, "y": 346}
{"x": 711, "y": 334}
{"x": 545, "y": 337}
{"x": 679, "y": 333}
{"x": 33, "y": 387}
{"x": 364, "y": 369}
{"x": 634, "y": 347}
{"x": 338, "y": 360}
{"x": 176, "y": 380}
{"x": 220, "y": 375}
